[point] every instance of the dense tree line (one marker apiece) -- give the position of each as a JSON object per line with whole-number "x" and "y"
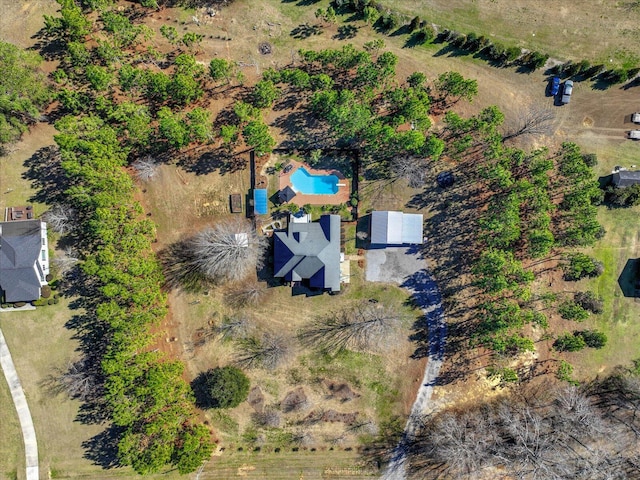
{"x": 23, "y": 91}
{"x": 144, "y": 392}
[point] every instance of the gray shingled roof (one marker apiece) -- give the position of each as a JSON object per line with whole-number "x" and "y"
{"x": 20, "y": 245}
{"x": 626, "y": 178}
{"x": 310, "y": 251}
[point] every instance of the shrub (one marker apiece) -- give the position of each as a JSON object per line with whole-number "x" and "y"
{"x": 39, "y": 303}
{"x": 226, "y": 387}
{"x": 45, "y": 291}
{"x": 51, "y": 301}
{"x": 590, "y": 159}
{"x": 19, "y": 304}
{"x": 572, "y": 311}
{"x": 589, "y": 301}
{"x": 623, "y": 197}
{"x": 592, "y": 338}
{"x": 565, "y": 370}
{"x": 569, "y": 343}
{"x": 513, "y": 53}
{"x": 580, "y": 266}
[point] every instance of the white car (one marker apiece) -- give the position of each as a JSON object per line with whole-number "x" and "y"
{"x": 567, "y": 91}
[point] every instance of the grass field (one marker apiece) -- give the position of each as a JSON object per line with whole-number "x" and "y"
{"x": 593, "y": 29}
{"x": 11, "y": 444}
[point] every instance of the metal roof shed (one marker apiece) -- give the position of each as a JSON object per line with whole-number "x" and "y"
{"x": 396, "y": 228}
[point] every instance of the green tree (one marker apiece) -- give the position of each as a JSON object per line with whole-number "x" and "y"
{"x": 229, "y": 134}
{"x": 570, "y": 310}
{"x": 245, "y": 112}
{"x": 99, "y": 77}
{"x": 72, "y": 25}
{"x": 592, "y": 338}
{"x": 23, "y": 91}
{"x": 227, "y": 387}
{"x": 569, "y": 343}
{"x": 172, "y": 128}
{"x": 580, "y": 266}
{"x": 170, "y": 33}
{"x": 200, "y": 127}
{"x": 256, "y": 135}
{"x": 221, "y": 69}
{"x": 453, "y": 85}
{"x": 265, "y": 93}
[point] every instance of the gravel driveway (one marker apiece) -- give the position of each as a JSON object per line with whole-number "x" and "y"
{"x": 405, "y": 267}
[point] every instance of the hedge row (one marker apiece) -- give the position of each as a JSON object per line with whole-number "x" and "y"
{"x": 145, "y": 393}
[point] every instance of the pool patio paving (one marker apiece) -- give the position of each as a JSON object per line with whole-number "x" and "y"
{"x": 342, "y": 196}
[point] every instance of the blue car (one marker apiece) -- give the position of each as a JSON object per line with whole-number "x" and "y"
{"x": 555, "y": 86}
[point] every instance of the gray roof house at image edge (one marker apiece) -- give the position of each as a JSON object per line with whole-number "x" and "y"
{"x": 310, "y": 251}
{"x": 626, "y": 178}
{"x": 22, "y": 269}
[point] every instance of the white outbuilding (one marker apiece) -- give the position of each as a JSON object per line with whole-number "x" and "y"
{"x": 396, "y": 228}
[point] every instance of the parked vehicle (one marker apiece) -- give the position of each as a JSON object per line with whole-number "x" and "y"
{"x": 567, "y": 91}
{"x": 555, "y": 86}
{"x": 635, "y": 117}
{"x": 634, "y": 134}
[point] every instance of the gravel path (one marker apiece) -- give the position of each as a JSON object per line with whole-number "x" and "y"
{"x": 405, "y": 267}
{"x": 24, "y": 415}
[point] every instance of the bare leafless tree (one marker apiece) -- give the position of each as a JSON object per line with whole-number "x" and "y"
{"x": 81, "y": 380}
{"x": 225, "y": 252}
{"x": 412, "y": 169}
{"x": 268, "y": 351}
{"x": 65, "y": 262}
{"x": 146, "y": 168}
{"x": 60, "y": 218}
{"x": 228, "y": 250}
{"x": 532, "y": 120}
{"x": 302, "y": 438}
{"x": 269, "y": 417}
{"x": 238, "y": 327}
{"x": 370, "y": 327}
{"x": 246, "y": 293}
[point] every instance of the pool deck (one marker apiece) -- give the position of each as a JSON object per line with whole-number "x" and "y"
{"x": 344, "y": 187}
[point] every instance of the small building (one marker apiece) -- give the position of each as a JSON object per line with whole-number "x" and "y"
{"x": 24, "y": 259}
{"x": 309, "y": 252}
{"x": 286, "y": 194}
{"x": 396, "y": 228}
{"x": 235, "y": 201}
{"x": 625, "y": 178}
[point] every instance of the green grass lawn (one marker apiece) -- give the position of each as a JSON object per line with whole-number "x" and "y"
{"x": 11, "y": 445}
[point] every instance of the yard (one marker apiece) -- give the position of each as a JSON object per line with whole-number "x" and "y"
{"x": 183, "y": 199}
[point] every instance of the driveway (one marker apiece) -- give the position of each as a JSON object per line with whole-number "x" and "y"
{"x": 405, "y": 267}
{"x": 24, "y": 415}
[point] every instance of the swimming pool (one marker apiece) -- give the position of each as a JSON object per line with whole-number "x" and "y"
{"x": 307, "y": 184}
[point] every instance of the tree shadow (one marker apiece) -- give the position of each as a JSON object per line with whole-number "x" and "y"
{"x": 345, "y": 32}
{"x": 304, "y": 31}
{"x": 199, "y": 387}
{"x": 629, "y": 279}
{"x": 102, "y": 448}
{"x": 180, "y": 268}
{"x": 221, "y": 160}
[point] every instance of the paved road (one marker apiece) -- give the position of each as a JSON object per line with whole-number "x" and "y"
{"x": 405, "y": 267}
{"x": 24, "y": 415}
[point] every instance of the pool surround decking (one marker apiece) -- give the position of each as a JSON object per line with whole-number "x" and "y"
{"x": 342, "y": 196}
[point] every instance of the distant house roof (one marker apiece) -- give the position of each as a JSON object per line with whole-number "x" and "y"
{"x": 20, "y": 245}
{"x": 286, "y": 194}
{"x": 260, "y": 201}
{"x": 310, "y": 251}
{"x": 396, "y": 228}
{"x": 626, "y": 178}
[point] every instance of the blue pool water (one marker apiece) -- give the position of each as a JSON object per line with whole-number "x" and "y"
{"x": 307, "y": 184}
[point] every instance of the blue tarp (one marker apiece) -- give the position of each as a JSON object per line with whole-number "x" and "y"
{"x": 260, "y": 201}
